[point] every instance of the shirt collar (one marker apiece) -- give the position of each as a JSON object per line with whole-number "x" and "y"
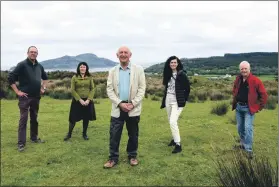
{"x": 128, "y": 67}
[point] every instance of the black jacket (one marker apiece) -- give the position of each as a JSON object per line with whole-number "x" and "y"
{"x": 29, "y": 77}
{"x": 182, "y": 89}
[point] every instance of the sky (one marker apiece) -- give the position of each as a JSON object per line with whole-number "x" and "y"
{"x": 152, "y": 30}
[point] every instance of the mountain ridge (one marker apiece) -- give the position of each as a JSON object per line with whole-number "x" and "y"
{"x": 71, "y": 62}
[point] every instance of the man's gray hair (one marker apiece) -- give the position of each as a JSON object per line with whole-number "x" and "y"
{"x": 244, "y": 63}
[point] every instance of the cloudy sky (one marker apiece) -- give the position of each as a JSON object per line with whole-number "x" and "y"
{"x": 153, "y": 30}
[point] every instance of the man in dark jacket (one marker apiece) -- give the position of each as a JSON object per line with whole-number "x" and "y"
{"x": 249, "y": 97}
{"x": 29, "y": 74}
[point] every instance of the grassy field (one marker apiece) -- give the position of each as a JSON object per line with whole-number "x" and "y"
{"x": 205, "y": 138}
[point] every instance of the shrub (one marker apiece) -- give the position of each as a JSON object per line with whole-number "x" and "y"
{"x": 67, "y": 82}
{"x": 238, "y": 171}
{"x": 155, "y": 98}
{"x": 10, "y": 94}
{"x": 60, "y": 93}
{"x": 271, "y": 102}
{"x": 272, "y": 91}
{"x": 217, "y": 96}
{"x": 192, "y": 97}
{"x": 227, "y": 91}
{"x": 145, "y": 95}
{"x": 220, "y": 109}
{"x": 101, "y": 91}
{"x": 202, "y": 96}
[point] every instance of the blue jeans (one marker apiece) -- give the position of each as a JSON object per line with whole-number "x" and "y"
{"x": 245, "y": 126}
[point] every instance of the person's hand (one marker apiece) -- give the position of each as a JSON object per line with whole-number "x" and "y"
{"x": 21, "y": 94}
{"x": 82, "y": 102}
{"x": 124, "y": 107}
{"x": 87, "y": 102}
{"x": 42, "y": 91}
{"x": 130, "y": 106}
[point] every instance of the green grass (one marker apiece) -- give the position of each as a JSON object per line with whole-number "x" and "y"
{"x": 267, "y": 77}
{"x": 205, "y": 137}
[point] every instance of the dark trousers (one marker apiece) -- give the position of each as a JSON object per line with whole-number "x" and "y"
{"x": 116, "y": 127}
{"x": 30, "y": 104}
{"x": 85, "y": 123}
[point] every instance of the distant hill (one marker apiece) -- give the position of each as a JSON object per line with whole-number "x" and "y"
{"x": 261, "y": 63}
{"x": 71, "y": 62}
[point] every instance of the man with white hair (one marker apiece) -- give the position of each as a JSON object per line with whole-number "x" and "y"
{"x": 249, "y": 97}
{"x": 125, "y": 88}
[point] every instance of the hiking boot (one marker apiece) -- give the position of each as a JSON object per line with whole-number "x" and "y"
{"x": 37, "y": 141}
{"x": 67, "y": 137}
{"x": 85, "y": 137}
{"x": 171, "y": 143}
{"x": 177, "y": 149}
{"x": 238, "y": 147}
{"x": 109, "y": 164}
{"x": 20, "y": 147}
{"x": 134, "y": 162}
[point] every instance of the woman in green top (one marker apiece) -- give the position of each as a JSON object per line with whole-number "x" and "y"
{"x": 82, "y": 106}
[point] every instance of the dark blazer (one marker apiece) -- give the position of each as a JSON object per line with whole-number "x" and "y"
{"x": 182, "y": 89}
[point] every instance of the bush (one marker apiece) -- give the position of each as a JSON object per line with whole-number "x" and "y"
{"x": 192, "y": 97}
{"x": 227, "y": 91}
{"x": 271, "y": 102}
{"x": 238, "y": 171}
{"x": 100, "y": 80}
{"x": 155, "y": 98}
{"x": 217, "y": 96}
{"x": 67, "y": 82}
{"x": 220, "y": 109}
{"x": 145, "y": 95}
{"x": 60, "y": 93}
{"x": 101, "y": 91}
{"x": 272, "y": 91}
{"x": 202, "y": 96}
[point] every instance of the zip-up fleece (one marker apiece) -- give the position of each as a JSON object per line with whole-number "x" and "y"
{"x": 29, "y": 76}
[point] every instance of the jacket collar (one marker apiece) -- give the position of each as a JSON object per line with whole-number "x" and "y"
{"x": 30, "y": 62}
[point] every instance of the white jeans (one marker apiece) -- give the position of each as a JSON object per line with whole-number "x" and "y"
{"x": 173, "y": 114}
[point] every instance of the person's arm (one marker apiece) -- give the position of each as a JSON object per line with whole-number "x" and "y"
{"x": 262, "y": 94}
{"x": 73, "y": 89}
{"x": 13, "y": 77}
{"x": 92, "y": 90}
{"x": 187, "y": 87}
{"x": 141, "y": 88}
{"x": 45, "y": 80}
{"x": 110, "y": 90}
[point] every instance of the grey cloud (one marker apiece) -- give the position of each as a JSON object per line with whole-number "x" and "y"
{"x": 153, "y": 30}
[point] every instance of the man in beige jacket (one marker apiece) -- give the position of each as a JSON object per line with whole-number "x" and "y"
{"x": 125, "y": 88}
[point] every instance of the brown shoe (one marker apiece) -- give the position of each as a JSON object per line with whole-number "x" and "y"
{"x": 134, "y": 162}
{"x": 110, "y": 164}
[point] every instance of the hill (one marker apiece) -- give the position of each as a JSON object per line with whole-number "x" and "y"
{"x": 261, "y": 63}
{"x": 70, "y": 62}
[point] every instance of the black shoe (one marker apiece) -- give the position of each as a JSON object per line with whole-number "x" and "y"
{"x": 177, "y": 149}
{"x": 172, "y": 143}
{"x": 67, "y": 137}
{"x": 238, "y": 147}
{"x": 85, "y": 137}
{"x": 249, "y": 155}
{"x": 37, "y": 141}
{"x": 20, "y": 147}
